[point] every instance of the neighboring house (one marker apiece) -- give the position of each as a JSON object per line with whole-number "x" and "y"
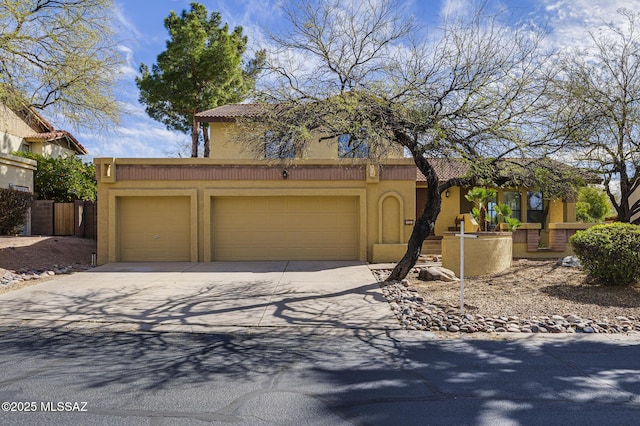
{"x": 27, "y": 130}
{"x": 330, "y": 202}
{"x": 633, "y": 200}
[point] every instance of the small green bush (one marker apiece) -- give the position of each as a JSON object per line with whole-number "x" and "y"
{"x": 13, "y": 209}
{"x": 609, "y": 252}
{"x": 593, "y": 205}
{"x": 63, "y": 179}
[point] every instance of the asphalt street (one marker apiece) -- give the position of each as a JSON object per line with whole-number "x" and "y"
{"x": 288, "y": 377}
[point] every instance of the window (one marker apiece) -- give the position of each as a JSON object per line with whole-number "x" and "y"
{"x": 25, "y": 147}
{"x": 278, "y": 148}
{"x": 535, "y": 207}
{"x": 349, "y": 147}
{"x": 512, "y": 199}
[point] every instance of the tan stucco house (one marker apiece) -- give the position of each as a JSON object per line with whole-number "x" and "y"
{"x": 25, "y": 129}
{"x": 326, "y": 203}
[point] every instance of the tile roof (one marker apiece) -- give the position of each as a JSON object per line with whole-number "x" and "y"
{"x": 45, "y": 131}
{"x": 445, "y": 168}
{"x": 56, "y": 135}
{"x": 450, "y": 168}
{"x": 228, "y": 112}
{"x": 29, "y": 112}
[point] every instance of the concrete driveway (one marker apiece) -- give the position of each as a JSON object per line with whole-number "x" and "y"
{"x": 216, "y": 296}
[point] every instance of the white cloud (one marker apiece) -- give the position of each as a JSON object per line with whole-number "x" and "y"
{"x": 571, "y": 20}
{"x": 142, "y": 138}
{"x": 127, "y": 25}
{"x": 452, "y": 8}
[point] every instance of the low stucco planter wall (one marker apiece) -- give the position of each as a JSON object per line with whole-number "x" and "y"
{"x": 489, "y": 253}
{"x": 528, "y": 241}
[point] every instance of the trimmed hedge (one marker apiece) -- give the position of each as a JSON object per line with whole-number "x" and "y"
{"x": 13, "y": 209}
{"x": 610, "y": 252}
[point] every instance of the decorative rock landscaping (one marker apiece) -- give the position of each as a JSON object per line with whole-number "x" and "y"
{"x": 414, "y": 313}
{"x": 9, "y": 277}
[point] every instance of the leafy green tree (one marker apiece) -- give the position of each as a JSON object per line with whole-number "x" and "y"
{"x": 60, "y": 55}
{"x": 201, "y": 68}
{"x": 63, "y": 179}
{"x": 593, "y": 205}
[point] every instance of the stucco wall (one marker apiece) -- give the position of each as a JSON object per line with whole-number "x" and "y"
{"x": 225, "y": 145}
{"x": 489, "y": 253}
{"x": 386, "y": 192}
{"x": 52, "y": 150}
{"x": 13, "y": 124}
{"x": 450, "y": 209}
{"x": 16, "y": 171}
{"x": 556, "y": 211}
{"x": 9, "y": 143}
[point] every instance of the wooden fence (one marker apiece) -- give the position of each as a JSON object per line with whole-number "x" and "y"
{"x": 64, "y": 216}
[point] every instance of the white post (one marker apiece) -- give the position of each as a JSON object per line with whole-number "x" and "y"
{"x": 462, "y": 267}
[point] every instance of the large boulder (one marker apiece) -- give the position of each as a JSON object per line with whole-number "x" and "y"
{"x": 437, "y": 273}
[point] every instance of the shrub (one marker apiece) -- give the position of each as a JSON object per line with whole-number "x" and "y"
{"x": 593, "y": 205}
{"x": 63, "y": 179}
{"x": 13, "y": 209}
{"x": 609, "y": 252}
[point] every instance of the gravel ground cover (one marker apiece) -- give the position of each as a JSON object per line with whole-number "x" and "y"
{"x": 533, "y": 296}
{"x": 29, "y": 260}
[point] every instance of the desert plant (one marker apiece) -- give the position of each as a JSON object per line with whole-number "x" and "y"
{"x": 479, "y": 197}
{"x": 609, "y": 252}
{"x": 514, "y": 223}
{"x": 503, "y": 211}
{"x": 13, "y": 209}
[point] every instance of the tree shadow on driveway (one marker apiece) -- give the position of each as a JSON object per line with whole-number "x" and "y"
{"x": 362, "y": 378}
{"x": 231, "y": 304}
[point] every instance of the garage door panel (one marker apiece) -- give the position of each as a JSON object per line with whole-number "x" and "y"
{"x": 154, "y": 229}
{"x": 282, "y": 228}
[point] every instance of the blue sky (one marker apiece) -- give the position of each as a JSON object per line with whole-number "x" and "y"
{"x": 142, "y": 37}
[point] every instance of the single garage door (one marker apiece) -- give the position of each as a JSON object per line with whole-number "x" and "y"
{"x": 153, "y": 229}
{"x": 285, "y": 228}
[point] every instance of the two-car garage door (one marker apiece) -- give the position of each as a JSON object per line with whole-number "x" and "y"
{"x": 285, "y": 228}
{"x": 242, "y": 228}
